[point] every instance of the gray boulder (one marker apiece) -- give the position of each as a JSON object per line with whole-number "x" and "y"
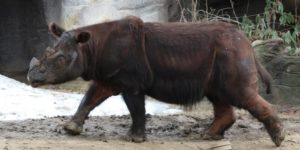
{"x": 284, "y": 68}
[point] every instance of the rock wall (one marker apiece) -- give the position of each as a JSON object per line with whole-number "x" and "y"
{"x": 23, "y": 34}
{"x": 285, "y": 70}
{"x": 76, "y": 13}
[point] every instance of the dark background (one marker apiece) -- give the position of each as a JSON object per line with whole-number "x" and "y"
{"x": 23, "y": 34}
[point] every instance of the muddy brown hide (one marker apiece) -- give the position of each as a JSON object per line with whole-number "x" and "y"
{"x": 23, "y": 34}
{"x": 285, "y": 70}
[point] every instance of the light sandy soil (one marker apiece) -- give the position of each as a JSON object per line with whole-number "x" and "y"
{"x": 163, "y": 132}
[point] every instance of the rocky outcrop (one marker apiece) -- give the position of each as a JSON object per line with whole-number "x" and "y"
{"x": 23, "y": 34}
{"x": 285, "y": 70}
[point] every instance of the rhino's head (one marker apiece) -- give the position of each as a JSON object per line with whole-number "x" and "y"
{"x": 59, "y": 63}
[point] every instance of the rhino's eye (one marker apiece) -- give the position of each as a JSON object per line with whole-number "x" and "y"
{"x": 61, "y": 61}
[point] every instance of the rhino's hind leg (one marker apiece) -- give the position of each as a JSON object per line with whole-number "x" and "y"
{"x": 262, "y": 110}
{"x": 224, "y": 117}
{"x": 136, "y": 107}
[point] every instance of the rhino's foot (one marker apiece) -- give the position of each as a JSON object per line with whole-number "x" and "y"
{"x": 136, "y": 138}
{"x": 278, "y": 138}
{"x": 210, "y": 136}
{"x": 72, "y": 128}
{"x": 275, "y": 129}
{"x": 277, "y": 134}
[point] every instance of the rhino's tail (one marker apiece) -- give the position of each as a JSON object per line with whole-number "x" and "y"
{"x": 264, "y": 76}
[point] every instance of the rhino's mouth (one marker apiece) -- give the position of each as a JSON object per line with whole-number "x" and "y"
{"x": 35, "y": 81}
{"x": 36, "y": 84}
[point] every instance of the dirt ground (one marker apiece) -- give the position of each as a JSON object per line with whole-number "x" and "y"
{"x": 179, "y": 131}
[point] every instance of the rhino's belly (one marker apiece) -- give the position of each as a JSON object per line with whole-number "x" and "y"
{"x": 177, "y": 91}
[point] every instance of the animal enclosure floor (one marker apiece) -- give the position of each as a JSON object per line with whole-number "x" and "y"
{"x": 179, "y": 131}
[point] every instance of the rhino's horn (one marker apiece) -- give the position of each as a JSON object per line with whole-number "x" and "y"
{"x": 34, "y": 62}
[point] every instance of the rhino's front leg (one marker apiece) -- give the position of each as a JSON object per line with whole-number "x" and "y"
{"x": 95, "y": 95}
{"x": 136, "y": 106}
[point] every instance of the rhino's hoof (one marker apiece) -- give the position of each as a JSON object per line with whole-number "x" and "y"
{"x": 72, "y": 128}
{"x": 278, "y": 137}
{"x": 135, "y": 138}
{"x": 209, "y": 136}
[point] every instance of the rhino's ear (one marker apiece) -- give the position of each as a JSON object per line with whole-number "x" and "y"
{"x": 55, "y": 29}
{"x": 82, "y": 37}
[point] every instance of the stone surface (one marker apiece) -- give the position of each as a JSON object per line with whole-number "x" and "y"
{"x": 23, "y": 34}
{"x": 285, "y": 70}
{"x": 78, "y": 13}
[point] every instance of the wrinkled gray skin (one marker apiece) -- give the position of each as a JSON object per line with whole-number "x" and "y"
{"x": 60, "y": 63}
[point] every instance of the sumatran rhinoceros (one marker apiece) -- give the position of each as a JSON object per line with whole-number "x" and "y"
{"x": 177, "y": 63}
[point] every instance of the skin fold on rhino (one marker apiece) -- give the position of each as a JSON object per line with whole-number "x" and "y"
{"x": 177, "y": 63}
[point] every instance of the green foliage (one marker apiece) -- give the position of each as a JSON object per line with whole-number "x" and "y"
{"x": 286, "y": 18}
{"x": 248, "y": 26}
{"x": 264, "y": 26}
{"x": 275, "y": 22}
{"x": 292, "y": 39}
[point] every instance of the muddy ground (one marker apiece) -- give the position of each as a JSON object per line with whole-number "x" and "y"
{"x": 181, "y": 131}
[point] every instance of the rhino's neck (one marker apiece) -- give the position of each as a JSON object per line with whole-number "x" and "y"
{"x": 92, "y": 50}
{"x": 88, "y": 61}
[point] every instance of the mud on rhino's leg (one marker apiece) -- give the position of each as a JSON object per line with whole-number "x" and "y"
{"x": 95, "y": 95}
{"x": 262, "y": 110}
{"x": 136, "y": 107}
{"x": 224, "y": 117}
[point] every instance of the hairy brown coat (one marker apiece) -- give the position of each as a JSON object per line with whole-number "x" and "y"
{"x": 177, "y": 63}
